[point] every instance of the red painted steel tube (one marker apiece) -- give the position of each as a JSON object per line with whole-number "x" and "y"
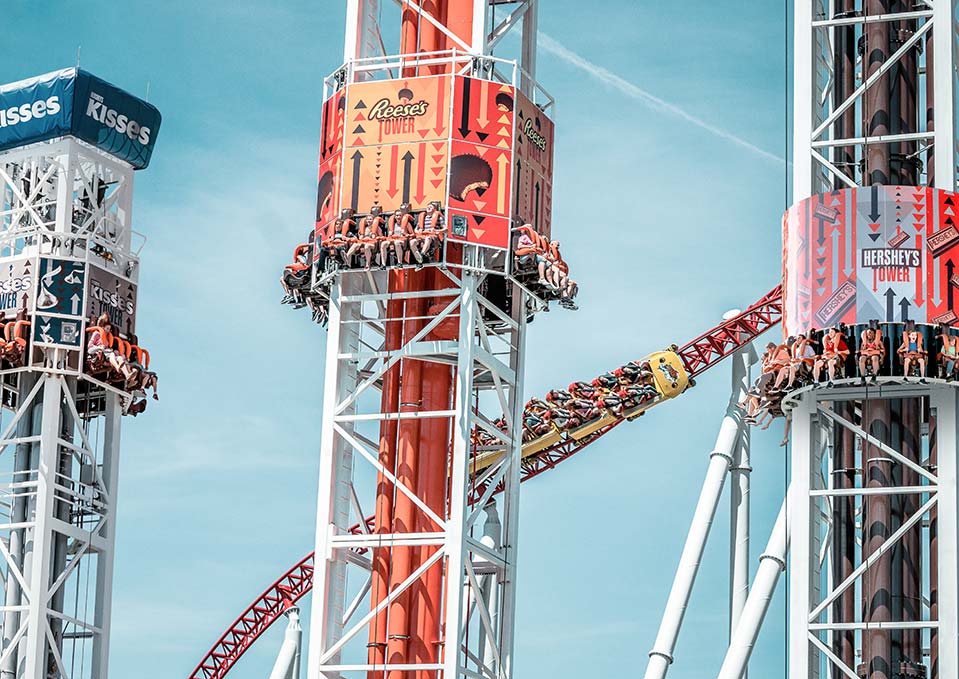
{"x": 876, "y": 98}
{"x": 911, "y": 561}
{"x": 383, "y": 518}
{"x": 459, "y": 19}
{"x": 933, "y": 558}
{"x": 436, "y": 445}
{"x": 407, "y": 468}
{"x": 877, "y": 651}
{"x": 844, "y": 539}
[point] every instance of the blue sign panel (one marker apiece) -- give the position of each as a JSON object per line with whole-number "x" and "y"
{"x": 74, "y": 102}
{"x": 61, "y": 286}
{"x": 63, "y": 332}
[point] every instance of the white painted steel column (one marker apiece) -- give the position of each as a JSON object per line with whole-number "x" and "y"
{"x": 947, "y": 434}
{"x": 34, "y": 651}
{"x": 509, "y": 500}
{"x": 104, "y": 600}
{"x": 456, "y": 549}
{"x": 322, "y": 624}
{"x": 804, "y": 99}
{"x": 944, "y": 51}
{"x": 480, "y": 30}
{"x": 362, "y": 32}
{"x": 528, "y": 55}
{"x": 771, "y": 565}
{"x": 803, "y": 561}
{"x": 720, "y": 459}
{"x": 739, "y": 499}
{"x": 287, "y": 664}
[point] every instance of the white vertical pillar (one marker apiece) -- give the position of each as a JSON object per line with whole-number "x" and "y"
{"x": 456, "y": 549}
{"x": 104, "y": 599}
{"x": 944, "y": 48}
{"x": 661, "y": 656}
{"x": 805, "y": 451}
{"x": 321, "y": 622}
{"x": 739, "y": 499}
{"x": 771, "y": 565}
{"x": 528, "y": 55}
{"x": 947, "y": 412}
{"x": 480, "y": 28}
{"x": 509, "y": 528}
{"x": 804, "y": 98}
{"x": 38, "y": 576}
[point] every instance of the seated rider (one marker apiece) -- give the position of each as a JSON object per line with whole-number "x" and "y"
{"x": 949, "y": 355}
{"x": 427, "y": 233}
{"x": 334, "y": 241}
{"x": 370, "y": 233}
{"x": 758, "y": 398}
{"x": 834, "y": 354}
{"x": 912, "y": 351}
{"x": 98, "y": 347}
{"x": 398, "y": 232}
{"x": 16, "y": 333}
{"x": 802, "y": 356}
{"x": 560, "y": 277}
{"x": 871, "y": 350}
{"x": 525, "y": 249}
{"x": 296, "y": 274}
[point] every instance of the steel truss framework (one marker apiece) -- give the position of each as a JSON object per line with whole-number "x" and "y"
{"x": 815, "y": 619}
{"x": 475, "y": 545}
{"x": 59, "y": 449}
{"x": 365, "y": 51}
{"x": 699, "y": 355}
{"x": 831, "y": 151}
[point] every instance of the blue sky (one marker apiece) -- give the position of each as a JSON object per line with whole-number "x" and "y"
{"x": 667, "y": 222}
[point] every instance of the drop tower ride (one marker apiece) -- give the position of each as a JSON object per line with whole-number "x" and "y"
{"x": 872, "y": 238}
{"x": 422, "y": 356}
{"x": 69, "y": 146}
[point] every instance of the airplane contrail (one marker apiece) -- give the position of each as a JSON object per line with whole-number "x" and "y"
{"x": 633, "y": 91}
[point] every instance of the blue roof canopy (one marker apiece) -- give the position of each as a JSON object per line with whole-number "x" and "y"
{"x": 75, "y": 103}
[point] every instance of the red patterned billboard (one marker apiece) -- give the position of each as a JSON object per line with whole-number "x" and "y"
{"x": 885, "y": 253}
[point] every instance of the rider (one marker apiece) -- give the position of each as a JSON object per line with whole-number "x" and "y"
{"x": 98, "y": 342}
{"x": 370, "y": 233}
{"x": 295, "y": 274}
{"x": 834, "y": 353}
{"x": 912, "y": 349}
{"x": 429, "y": 228}
{"x": 871, "y": 350}
{"x": 398, "y": 232}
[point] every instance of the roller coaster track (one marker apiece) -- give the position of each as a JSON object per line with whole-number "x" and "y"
{"x": 698, "y": 356}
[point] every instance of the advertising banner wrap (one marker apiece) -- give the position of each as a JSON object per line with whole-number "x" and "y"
{"x": 75, "y": 103}
{"x": 885, "y": 253}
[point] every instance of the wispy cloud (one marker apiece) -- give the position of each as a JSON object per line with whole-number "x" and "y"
{"x": 633, "y": 91}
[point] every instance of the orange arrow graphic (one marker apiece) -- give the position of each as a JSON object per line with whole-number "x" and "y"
{"x": 502, "y": 184}
{"x": 482, "y": 118}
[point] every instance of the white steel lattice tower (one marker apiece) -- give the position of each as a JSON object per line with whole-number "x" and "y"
{"x": 67, "y": 251}
{"x": 416, "y": 537}
{"x": 871, "y": 516}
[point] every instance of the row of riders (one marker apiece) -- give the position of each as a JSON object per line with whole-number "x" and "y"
{"x": 109, "y": 358}
{"x": 541, "y": 258}
{"x": 120, "y": 363}
{"x": 617, "y": 393}
{"x": 400, "y": 238}
{"x": 802, "y": 360}
{"x": 404, "y": 237}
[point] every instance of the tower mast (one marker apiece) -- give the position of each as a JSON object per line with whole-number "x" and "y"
{"x": 68, "y": 254}
{"x": 425, "y": 355}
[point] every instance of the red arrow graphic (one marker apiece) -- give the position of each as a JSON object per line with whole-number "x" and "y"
{"x": 421, "y": 175}
{"x": 394, "y": 168}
